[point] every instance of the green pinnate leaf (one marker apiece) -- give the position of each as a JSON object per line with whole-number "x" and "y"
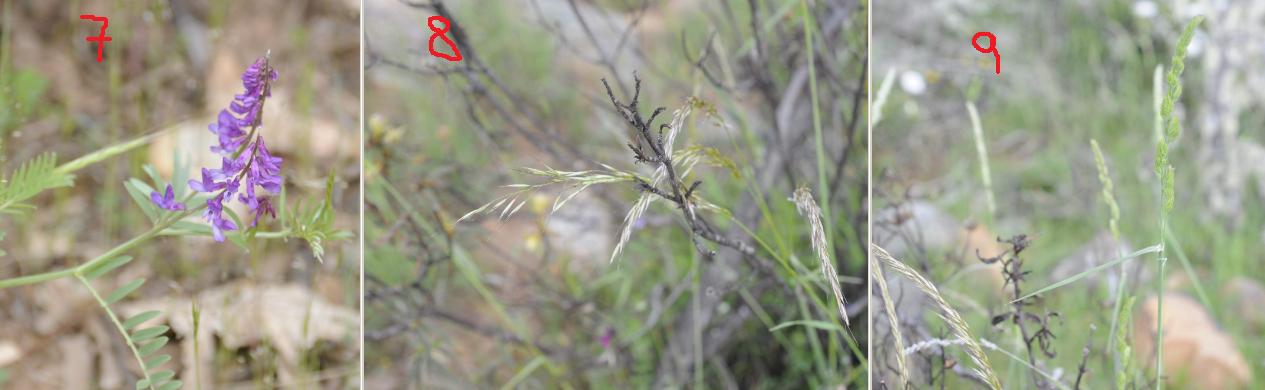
{"x": 150, "y": 347}
{"x": 161, "y": 376}
{"x": 31, "y": 178}
{"x": 149, "y": 333}
{"x": 173, "y": 385}
{"x": 124, "y": 291}
{"x": 140, "y": 318}
{"x": 106, "y": 266}
{"x": 157, "y": 361}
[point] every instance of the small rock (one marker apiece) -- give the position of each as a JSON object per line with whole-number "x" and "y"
{"x": 9, "y": 353}
{"x": 1197, "y": 353}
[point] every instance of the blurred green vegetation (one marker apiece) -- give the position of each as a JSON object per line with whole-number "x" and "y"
{"x": 428, "y": 162}
{"x": 1102, "y": 58}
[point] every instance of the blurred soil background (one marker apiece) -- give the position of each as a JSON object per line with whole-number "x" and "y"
{"x": 534, "y": 300}
{"x": 1072, "y": 72}
{"x": 270, "y": 316}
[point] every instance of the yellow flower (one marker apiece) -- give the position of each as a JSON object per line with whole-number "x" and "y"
{"x": 532, "y": 242}
{"x": 540, "y": 203}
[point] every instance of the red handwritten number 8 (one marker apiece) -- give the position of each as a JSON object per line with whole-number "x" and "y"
{"x": 441, "y": 34}
{"x": 992, "y": 47}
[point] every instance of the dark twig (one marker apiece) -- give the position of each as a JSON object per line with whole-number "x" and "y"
{"x": 655, "y": 151}
{"x": 1089, "y": 344}
{"x": 1012, "y": 268}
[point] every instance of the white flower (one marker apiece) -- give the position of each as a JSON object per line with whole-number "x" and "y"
{"x": 1145, "y": 9}
{"x": 912, "y": 82}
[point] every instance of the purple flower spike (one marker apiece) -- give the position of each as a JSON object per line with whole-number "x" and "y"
{"x": 245, "y": 162}
{"x": 166, "y": 201}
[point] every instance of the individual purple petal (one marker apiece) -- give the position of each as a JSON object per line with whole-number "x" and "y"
{"x": 167, "y": 201}
{"x": 261, "y": 205}
{"x": 208, "y": 184}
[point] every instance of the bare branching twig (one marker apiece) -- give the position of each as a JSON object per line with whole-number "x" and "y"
{"x": 656, "y": 149}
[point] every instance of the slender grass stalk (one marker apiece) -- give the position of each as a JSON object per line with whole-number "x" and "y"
{"x": 823, "y": 186}
{"x": 1157, "y": 101}
{"x": 197, "y": 355}
{"x": 985, "y": 175}
{"x": 697, "y": 328}
{"x": 880, "y": 99}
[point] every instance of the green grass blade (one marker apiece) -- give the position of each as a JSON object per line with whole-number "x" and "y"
{"x": 1190, "y": 271}
{"x": 524, "y": 372}
{"x": 1100, "y": 267}
{"x": 809, "y": 323}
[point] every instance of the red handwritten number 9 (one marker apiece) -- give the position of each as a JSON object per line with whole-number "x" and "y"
{"x": 992, "y": 47}
{"x": 441, "y": 34}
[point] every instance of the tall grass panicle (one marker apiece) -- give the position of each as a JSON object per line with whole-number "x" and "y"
{"x": 1165, "y": 172}
{"x": 957, "y": 325}
{"x": 889, "y": 305}
{"x": 1124, "y": 351}
{"x": 1113, "y": 222}
{"x": 1108, "y": 190}
{"x": 808, "y": 208}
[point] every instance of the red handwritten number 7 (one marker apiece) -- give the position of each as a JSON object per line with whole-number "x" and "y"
{"x": 99, "y": 39}
{"x": 441, "y": 33}
{"x": 992, "y": 47}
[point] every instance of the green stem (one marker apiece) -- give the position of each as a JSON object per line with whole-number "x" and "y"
{"x": 108, "y": 152}
{"x": 122, "y": 330}
{"x": 823, "y": 188}
{"x": 37, "y": 278}
{"x": 1159, "y": 312}
{"x": 185, "y": 232}
{"x": 110, "y": 254}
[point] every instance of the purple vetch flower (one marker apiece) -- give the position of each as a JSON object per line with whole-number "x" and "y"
{"x": 215, "y": 215}
{"x": 166, "y": 201}
{"x": 607, "y": 337}
{"x": 207, "y": 184}
{"x": 245, "y": 162}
